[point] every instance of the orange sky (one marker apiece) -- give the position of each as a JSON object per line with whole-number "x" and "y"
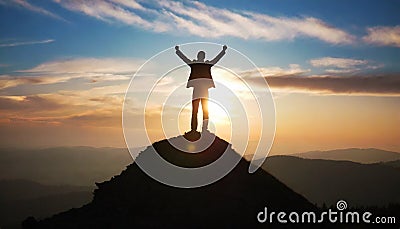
{"x": 305, "y": 121}
{"x": 79, "y": 102}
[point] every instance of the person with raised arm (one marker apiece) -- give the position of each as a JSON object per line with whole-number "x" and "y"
{"x": 201, "y": 80}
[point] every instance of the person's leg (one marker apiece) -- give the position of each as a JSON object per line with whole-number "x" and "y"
{"x": 195, "y": 109}
{"x": 204, "y": 107}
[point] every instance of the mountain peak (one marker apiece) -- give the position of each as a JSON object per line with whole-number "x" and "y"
{"x": 133, "y": 199}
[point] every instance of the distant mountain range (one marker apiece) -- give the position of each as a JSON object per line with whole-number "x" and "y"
{"x": 26, "y": 189}
{"x": 83, "y": 166}
{"x": 22, "y": 198}
{"x": 365, "y": 156}
{"x": 394, "y": 164}
{"x": 327, "y": 181}
{"x": 78, "y": 166}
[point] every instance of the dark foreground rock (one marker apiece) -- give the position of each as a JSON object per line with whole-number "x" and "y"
{"x": 134, "y": 200}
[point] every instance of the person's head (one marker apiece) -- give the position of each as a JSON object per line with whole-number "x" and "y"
{"x": 201, "y": 55}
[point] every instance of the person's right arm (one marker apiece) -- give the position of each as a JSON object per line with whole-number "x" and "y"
{"x": 182, "y": 56}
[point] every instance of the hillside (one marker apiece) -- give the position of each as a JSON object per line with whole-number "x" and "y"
{"x": 327, "y": 181}
{"x": 133, "y": 199}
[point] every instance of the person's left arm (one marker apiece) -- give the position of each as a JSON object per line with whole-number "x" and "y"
{"x": 219, "y": 56}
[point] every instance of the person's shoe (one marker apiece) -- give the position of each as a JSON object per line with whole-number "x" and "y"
{"x": 204, "y": 127}
{"x": 192, "y": 135}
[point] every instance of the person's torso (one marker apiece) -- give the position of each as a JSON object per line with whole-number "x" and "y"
{"x": 200, "y": 70}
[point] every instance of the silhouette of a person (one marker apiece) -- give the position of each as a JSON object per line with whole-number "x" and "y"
{"x": 201, "y": 80}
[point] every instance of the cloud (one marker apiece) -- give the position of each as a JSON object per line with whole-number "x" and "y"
{"x": 108, "y": 11}
{"x": 93, "y": 69}
{"x": 7, "y": 81}
{"x": 87, "y": 65}
{"x": 202, "y": 20}
{"x": 294, "y": 69}
{"x": 74, "y": 109}
{"x": 198, "y": 19}
{"x": 341, "y": 80}
{"x": 130, "y": 4}
{"x": 27, "y": 43}
{"x": 275, "y": 71}
{"x": 379, "y": 85}
{"x": 337, "y": 62}
{"x": 63, "y": 108}
{"x": 55, "y": 93}
{"x": 290, "y": 28}
{"x": 62, "y": 97}
{"x": 334, "y": 65}
{"x": 383, "y": 35}
{"x": 89, "y": 119}
{"x": 102, "y": 118}
{"x": 341, "y": 71}
{"x": 27, "y": 103}
{"x": 26, "y": 5}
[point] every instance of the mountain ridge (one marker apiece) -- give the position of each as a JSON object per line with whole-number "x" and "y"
{"x": 327, "y": 181}
{"x": 360, "y": 155}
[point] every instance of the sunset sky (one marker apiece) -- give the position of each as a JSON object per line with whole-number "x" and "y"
{"x": 332, "y": 66}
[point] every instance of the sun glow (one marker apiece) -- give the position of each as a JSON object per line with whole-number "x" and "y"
{"x": 219, "y": 123}
{"x": 218, "y": 113}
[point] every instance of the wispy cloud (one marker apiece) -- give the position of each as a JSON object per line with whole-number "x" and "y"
{"x": 27, "y": 43}
{"x": 377, "y": 85}
{"x": 58, "y": 110}
{"x": 87, "y": 65}
{"x": 383, "y": 35}
{"x": 92, "y": 69}
{"x": 70, "y": 92}
{"x": 107, "y": 11}
{"x": 275, "y": 71}
{"x": 201, "y": 20}
{"x": 336, "y": 62}
{"x": 26, "y": 5}
{"x": 7, "y": 81}
{"x": 27, "y": 103}
{"x": 339, "y": 78}
{"x": 343, "y": 65}
{"x": 290, "y": 28}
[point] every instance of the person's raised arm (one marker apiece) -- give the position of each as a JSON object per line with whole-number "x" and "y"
{"x": 181, "y": 55}
{"x": 219, "y": 56}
